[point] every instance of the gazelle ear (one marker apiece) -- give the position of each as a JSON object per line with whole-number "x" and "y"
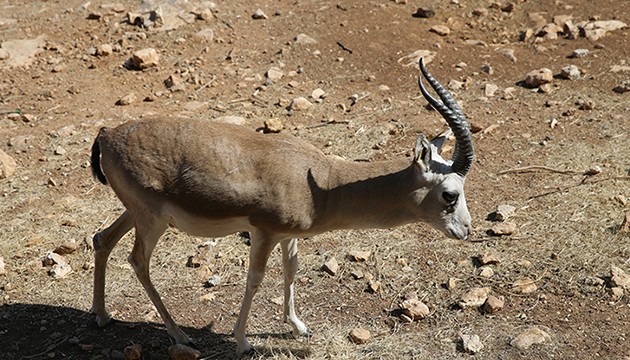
{"x": 422, "y": 152}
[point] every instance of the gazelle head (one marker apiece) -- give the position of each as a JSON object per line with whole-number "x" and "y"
{"x": 444, "y": 205}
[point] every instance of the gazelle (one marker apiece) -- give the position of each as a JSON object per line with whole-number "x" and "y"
{"x": 212, "y": 179}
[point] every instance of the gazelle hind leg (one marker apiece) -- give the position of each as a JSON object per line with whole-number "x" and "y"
{"x": 104, "y": 242}
{"x": 290, "y": 265}
{"x": 148, "y": 232}
{"x": 261, "y": 247}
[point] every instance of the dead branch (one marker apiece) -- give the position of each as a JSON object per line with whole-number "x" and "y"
{"x": 538, "y": 167}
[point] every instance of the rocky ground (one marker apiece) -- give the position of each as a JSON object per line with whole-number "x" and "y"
{"x": 544, "y": 84}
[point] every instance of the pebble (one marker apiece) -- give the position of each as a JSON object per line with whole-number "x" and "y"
{"x": 486, "y": 271}
{"x": 570, "y": 72}
{"x": 273, "y": 125}
{"x": 331, "y": 266}
{"x": 471, "y": 344}
{"x": 373, "y": 286}
{"x": 488, "y": 258}
{"x": 493, "y": 304}
{"x": 504, "y": 212}
{"x": 202, "y": 257}
{"x": 4, "y": 54}
{"x": 490, "y": 90}
{"x": 524, "y": 286}
{"x": 3, "y": 271}
{"x": 127, "y": 99}
{"x": 183, "y": 352}
{"x": 304, "y": 39}
{"x": 441, "y": 30}
{"x": 133, "y": 352}
{"x": 535, "y": 78}
{"x": 205, "y": 34}
{"x": 144, "y": 59}
{"x": 486, "y": 68}
{"x": 360, "y": 335}
{"x": 7, "y": 165}
{"x": 579, "y": 53}
{"x": 503, "y": 228}
{"x": 451, "y": 283}
{"x": 274, "y": 74}
{"x": 424, "y": 12}
{"x": 359, "y": 255}
{"x": 299, "y": 104}
{"x": 529, "y": 337}
{"x": 624, "y": 87}
{"x": 624, "y": 229}
{"x": 214, "y": 281}
{"x": 318, "y": 94}
{"x": 259, "y": 15}
{"x": 66, "y": 248}
{"x": 594, "y": 281}
{"x": 616, "y": 293}
{"x": 414, "y": 309}
{"x": 475, "y": 297}
{"x": 59, "y": 150}
{"x": 618, "y": 278}
{"x": 104, "y": 50}
{"x": 232, "y": 119}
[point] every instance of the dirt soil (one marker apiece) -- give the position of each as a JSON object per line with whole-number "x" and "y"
{"x": 533, "y": 147}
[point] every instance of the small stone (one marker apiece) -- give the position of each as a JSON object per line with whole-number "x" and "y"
{"x": 414, "y": 309}
{"x": 304, "y": 39}
{"x": 456, "y": 85}
{"x": 357, "y": 274}
{"x": 331, "y": 266}
{"x": 475, "y": 297}
{"x": 59, "y": 150}
{"x": 60, "y": 270}
{"x": 273, "y": 125}
{"x": 359, "y": 336}
{"x": 504, "y": 228}
{"x": 373, "y": 286}
{"x": 205, "y": 34}
{"x": 488, "y": 258}
{"x": 504, "y": 212}
{"x": 529, "y": 337}
{"x": 594, "y": 281}
{"x": 133, "y": 352}
{"x": 232, "y": 119}
{"x": 535, "y": 78}
{"x": 585, "y": 105}
{"x": 493, "y": 304}
{"x": 299, "y": 104}
{"x": 144, "y": 59}
{"x": 490, "y": 90}
{"x": 213, "y": 281}
{"x": 318, "y": 94}
{"x": 624, "y": 87}
{"x": 524, "y": 286}
{"x": 486, "y": 271}
{"x": 570, "y": 72}
{"x": 66, "y": 248}
{"x": 7, "y": 165}
{"x": 104, "y": 50}
{"x": 579, "y": 53}
{"x": 508, "y": 8}
{"x": 424, "y": 12}
{"x": 471, "y": 344}
{"x": 570, "y": 31}
{"x": 274, "y": 74}
{"x": 487, "y": 69}
{"x": 4, "y": 54}
{"x": 203, "y": 256}
{"x": 3, "y": 271}
{"x": 127, "y": 99}
{"x": 616, "y": 293}
{"x": 618, "y": 278}
{"x": 383, "y": 88}
{"x": 175, "y": 83}
{"x": 183, "y": 352}
{"x": 259, "y": 15}
{"x": 451, "y": 283}
{"x": 359, "y": 256}
{"x": 624, "y": 229}
{"x": 480, "y": 12}
{"x": 441, "y": 30}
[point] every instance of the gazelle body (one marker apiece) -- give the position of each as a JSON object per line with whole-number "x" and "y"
{"x": 211, "y": 179}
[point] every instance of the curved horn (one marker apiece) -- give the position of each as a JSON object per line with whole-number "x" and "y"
{"x": 464, "y": 153}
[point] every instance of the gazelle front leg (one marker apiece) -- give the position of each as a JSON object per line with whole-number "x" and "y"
{"x": 290, "y": 264}
{"x": 261, "y": 247}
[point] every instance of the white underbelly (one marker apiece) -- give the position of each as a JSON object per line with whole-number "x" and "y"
{"x": 204, "y": 227}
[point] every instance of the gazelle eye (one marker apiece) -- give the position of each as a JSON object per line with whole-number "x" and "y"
{"x": 450, "y": 197}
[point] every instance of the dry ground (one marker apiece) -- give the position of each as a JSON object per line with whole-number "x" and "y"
{"x": 567, "y": 223}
